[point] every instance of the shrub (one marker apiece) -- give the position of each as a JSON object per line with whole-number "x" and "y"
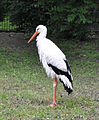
{"x": 68, "y": 18}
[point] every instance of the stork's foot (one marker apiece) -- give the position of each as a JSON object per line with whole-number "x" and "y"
{"x": 53, "y": 105}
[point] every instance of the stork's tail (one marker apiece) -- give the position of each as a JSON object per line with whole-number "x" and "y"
{"x": 67, "y": 82}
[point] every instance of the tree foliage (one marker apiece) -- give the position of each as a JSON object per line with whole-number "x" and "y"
{"x": 69, "y": 18}
{"x": 27, "y": 13}
{"x": 2, "y": 10}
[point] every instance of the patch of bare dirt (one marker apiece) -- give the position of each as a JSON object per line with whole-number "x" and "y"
{"x": 13, "y": 40}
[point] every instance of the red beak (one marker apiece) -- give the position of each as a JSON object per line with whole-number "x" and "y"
{"x": 34, "y": 35}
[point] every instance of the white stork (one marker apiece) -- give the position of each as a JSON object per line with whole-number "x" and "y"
{"x": 53, "y": 61}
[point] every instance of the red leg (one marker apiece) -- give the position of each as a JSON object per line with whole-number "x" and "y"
{"x": 54, "y": 92}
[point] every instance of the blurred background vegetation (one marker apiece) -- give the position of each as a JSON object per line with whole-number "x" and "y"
{"x": 69, "y": 19}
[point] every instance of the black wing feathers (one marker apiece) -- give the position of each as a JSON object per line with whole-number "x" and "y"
{"x": 60, "y": 72}
{"x": 68, "y": 68}
{"x": 66, "y": 73}
{"x": 66, "y": 88}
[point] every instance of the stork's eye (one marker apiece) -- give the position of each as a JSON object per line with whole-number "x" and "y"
{"x": 37, "y": 29}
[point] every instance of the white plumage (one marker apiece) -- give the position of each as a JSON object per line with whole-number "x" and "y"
{"x": 53, "y": 59}
{"x": 50, "y": 54}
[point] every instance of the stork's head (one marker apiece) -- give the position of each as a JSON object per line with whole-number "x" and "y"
{"x": 41, "y": 30}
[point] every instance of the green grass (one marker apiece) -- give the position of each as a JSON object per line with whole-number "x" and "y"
{"x": 6, "y": 25}
{"x": 26, "y": 91}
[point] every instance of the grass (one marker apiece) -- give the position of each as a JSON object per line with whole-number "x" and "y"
{"x": 26, "y": 92}
{"x": 6, "y": 25}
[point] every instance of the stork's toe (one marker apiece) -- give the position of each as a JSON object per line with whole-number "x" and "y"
{"x": 53, "y": 105}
